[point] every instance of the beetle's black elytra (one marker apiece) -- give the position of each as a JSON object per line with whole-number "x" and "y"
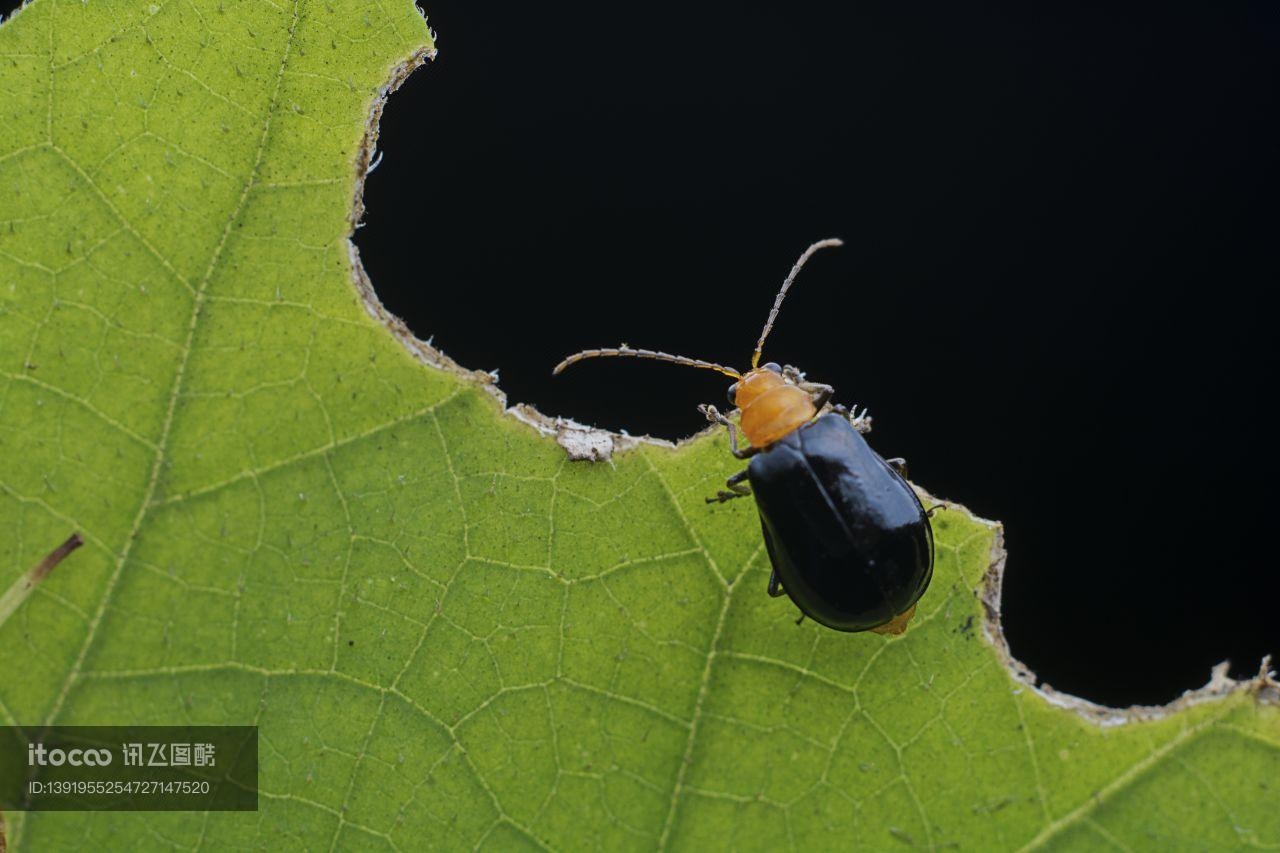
{"x": 849, "y": 541}
{"x": 846, "y": 535}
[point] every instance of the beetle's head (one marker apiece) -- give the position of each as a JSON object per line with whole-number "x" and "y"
{"x": 754, "y": 383}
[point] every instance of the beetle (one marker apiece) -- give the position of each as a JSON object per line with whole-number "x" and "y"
{"x": 849, "y": 541}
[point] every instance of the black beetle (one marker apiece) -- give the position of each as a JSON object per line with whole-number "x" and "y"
{"x": 849, "y": 541}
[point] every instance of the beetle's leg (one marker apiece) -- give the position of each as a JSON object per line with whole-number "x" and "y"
{"x": 861, "y": 421}
{"x": 776, "y": 590}
{"x": 931, "y": 510}
{"x": 734, "y": 488}
{"x": 715, "y": 417}
{"x": 821, "y": 393}
{"x": 899, "y": 465}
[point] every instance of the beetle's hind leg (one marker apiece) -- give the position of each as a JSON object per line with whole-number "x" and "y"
{"x": 899, "y": 466}
{"x": 734, "y": 488}
{"x": 713, "y": 415}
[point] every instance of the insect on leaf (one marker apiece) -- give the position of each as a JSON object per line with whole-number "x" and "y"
{"x": 448, "y": 634}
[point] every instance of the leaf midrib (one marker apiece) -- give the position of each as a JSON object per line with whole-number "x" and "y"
{"x": 175, "y": 392}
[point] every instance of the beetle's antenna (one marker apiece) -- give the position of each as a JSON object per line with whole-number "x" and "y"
{"x": 629, "y": 352}
{"x": 782, "y": 294}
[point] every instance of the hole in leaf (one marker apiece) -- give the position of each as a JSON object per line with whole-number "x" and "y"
{"x": 1058, "y": 240}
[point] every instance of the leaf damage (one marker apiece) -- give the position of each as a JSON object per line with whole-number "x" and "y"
{"x": 399, "y": 568}
{"x": 1263, "y": 686}
{"x": 583, "y": 443}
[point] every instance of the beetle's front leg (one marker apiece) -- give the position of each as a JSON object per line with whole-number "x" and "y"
{"x": 734, "y": 488}
{"x": 820, "y": 391}
{"x": 715, "y": 417}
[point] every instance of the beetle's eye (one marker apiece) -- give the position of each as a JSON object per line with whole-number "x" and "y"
{"x": 774, "y": 366}
{"x": 733, "y": 394}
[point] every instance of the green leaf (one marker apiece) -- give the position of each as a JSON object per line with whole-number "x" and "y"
{"x": 449, "y": 634}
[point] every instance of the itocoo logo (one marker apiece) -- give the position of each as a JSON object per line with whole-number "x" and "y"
{"x": 37, "y": 753}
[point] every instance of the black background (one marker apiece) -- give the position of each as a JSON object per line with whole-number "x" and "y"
{"x": 1055, "y": 297}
